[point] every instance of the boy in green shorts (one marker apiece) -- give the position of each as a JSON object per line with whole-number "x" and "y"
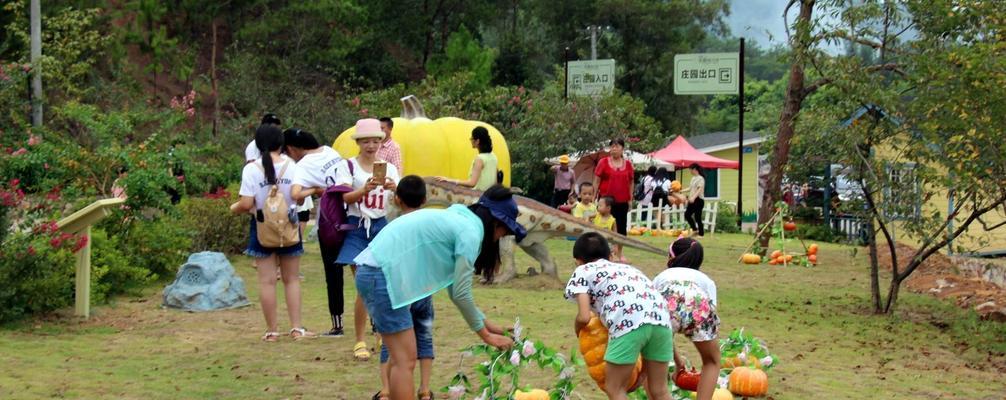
{"x": 627, "y": 303}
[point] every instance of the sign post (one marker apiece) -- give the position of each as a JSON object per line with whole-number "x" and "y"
{"x": 716, "y": 73}
{"x": 590, "y": 77}
{"x": 78, "y": 222}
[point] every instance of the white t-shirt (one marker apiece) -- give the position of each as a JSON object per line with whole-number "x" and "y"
{"x": 647, "y": 189}
{"x": 686, "y": 275}
{"x": 623, "y": 298}
{"x": 253, "y": 183}
{"x": 318, "y": 169}
{"x": 374, "y": 204}
{"x": 251, "y": 152}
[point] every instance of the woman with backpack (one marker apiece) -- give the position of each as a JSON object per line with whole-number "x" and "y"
{"x": 275, "y": 237}
{"x": 367, "y": 209}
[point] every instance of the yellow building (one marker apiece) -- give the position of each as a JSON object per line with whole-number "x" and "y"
{"x": 721, "y": 184}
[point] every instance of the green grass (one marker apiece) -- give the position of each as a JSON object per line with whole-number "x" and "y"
{"x": 816, "y": 321}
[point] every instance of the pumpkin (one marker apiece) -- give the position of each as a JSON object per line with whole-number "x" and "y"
{"x": 812, "y": 250}
{"x": 736, "y": 361}
{"x": 688, "y": 380}
{"x": 438, "y": 147}
{"x": 789, "y": 226}
{"x": 751, "y": 258}
{"x": 789, "y": 258}
{"x": 775, "y": 254}
{"x": 748, "y": 382}
{"x": 812, "y": 258}
{"x": 773, "y": 262}
{"x": 593, "y": 342}
{"x": 722, "y": 394}
{"x": 534, "y": 394}
{"x": 675, "y": 186}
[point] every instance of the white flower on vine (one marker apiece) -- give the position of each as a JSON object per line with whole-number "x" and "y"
{"x": 743, "y": 357}
{"x": 566, "y": 373}
{"x": 517, "y": 329}
{"x": 767, "y": 361}
{"x": 528, "y": 349}
{"x": 467, "y": 353}
{"x": 515, "y": 358}
{"x": 485, "y": 392}
{"x": 722, "y": 382}
{"x": 455, "y": 392}
{"x": 485, "y": 363}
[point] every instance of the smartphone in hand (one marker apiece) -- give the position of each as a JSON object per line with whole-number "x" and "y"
{"x": 380, "y": 171}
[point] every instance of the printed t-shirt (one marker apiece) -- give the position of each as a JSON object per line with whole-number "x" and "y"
{"x": 581, "y": 210}
{"x": 254, "y": 184}
{"x": 616, "y": 183}
{"x": 623, "y": 298}
{"x": 671, "y": 275}
{"x": 251, "y": 152}
{"x": 374, "y": 204}
{"x": 604, "y": 223}
{"x": 318, "y": 169}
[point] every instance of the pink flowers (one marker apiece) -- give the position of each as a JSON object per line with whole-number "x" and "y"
{"x": 455, "y": 392}
{"x": 515, "y": 358}
{"x": 185, "y": 104}
{"x": 364, "y": 111}
{"x": 528, "y": 349}
{"x": 34, "y": 140}
{"x": 356, "y": 101}
{"x": 19, "y": 152}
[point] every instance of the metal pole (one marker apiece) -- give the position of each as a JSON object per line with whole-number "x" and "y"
{"x": 740, "y": 138}
{"x": 827, "y": 194}
{"x": 565, "y": 79}
{"x": 36, "y": 55}
{"x": 593, "y": 41}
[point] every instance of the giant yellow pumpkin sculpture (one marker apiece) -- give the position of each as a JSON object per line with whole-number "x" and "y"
{"x": 593, "y": 343}
{"x": 438, "y": 147}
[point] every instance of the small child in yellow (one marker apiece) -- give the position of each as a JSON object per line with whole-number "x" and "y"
{"x": 604, "y": 220}
{"x": 585, "y": 208}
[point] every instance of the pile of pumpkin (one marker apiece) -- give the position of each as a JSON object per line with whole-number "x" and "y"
{"x": 744, "y": 360}
{"x": 643, "y": 231}
{"x": 779, "y": 257}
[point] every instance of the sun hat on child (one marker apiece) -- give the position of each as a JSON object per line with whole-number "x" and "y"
{"x": 367, "y": 128}
{"x": 564, "y": 159}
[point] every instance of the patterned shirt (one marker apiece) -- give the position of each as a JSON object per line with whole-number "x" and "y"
{"x": 623, "y": 298}
{"x": 391, "y": 153}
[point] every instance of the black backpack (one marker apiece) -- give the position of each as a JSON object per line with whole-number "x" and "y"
{"x": 659, "y": 194}
{"x": 640, "y": 193}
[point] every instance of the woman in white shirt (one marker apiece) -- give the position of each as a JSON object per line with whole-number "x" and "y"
{"x": 367, "y": 205}
{"x": 257, "y": 179}
{"x": 696, "y": 201}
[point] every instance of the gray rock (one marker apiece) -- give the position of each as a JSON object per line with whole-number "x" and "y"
{"x": 206, "y": 282}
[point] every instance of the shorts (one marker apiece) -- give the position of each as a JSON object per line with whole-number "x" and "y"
{"x": 373, "y": 288}
{"x": 693, "y": 314}
{"x": 255, "y": 249}
{"x": 654, "y": 342}
{"x": 357, "y": 239}
{"x": 422, "y": 325}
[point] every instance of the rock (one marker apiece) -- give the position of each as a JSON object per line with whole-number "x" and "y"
{"x": 997, "y": 315}
{"x": 206, "y": 282}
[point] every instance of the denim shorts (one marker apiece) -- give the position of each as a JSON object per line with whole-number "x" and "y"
{"x": 373, "y": 287}
{"x": 256, "y": 250}
{"x": 358, "y": 239}
{"x": 422, "y": 324}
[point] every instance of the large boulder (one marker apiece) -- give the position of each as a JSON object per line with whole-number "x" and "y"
{"x": 206, "y": 282}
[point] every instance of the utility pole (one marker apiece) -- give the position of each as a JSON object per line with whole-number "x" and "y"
{"x": 36, "y": 55}
{"x": 740, "y": 138}
{"x": 593, "y": 29}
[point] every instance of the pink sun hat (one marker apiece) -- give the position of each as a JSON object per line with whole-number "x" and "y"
{"x": 367, "y": 128}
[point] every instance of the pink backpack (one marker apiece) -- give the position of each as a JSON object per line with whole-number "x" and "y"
{"x": 332, "y": 217}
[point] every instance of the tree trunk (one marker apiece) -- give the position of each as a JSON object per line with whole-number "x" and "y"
{"x": 874, "y": 273}
{"x": 213, "y": 79}
{"x": 795, "y": 94}
{"x": 892, "y": 294}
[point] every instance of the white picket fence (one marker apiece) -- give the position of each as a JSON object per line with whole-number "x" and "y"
{"x": 668, "y": 216}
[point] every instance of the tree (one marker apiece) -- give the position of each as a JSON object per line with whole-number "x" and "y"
{"x": 464, "y": 53}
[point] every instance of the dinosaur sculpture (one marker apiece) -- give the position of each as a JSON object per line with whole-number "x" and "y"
{"x": 542, "y": 222}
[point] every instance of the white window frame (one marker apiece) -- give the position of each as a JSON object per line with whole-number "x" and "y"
{"x": 897, "y": 172}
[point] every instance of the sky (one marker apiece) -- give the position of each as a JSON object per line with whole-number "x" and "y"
{"x": 758, "y": 20}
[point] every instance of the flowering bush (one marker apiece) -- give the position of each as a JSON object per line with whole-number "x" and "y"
{"x": 507, "y": 365}
{"x": 213, "y": 226}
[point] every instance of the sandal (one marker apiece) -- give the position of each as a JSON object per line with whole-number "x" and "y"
{"x": 360, "y": 352}
{"x": 270, "y": 337}
{"x": 381, "y": 396}
{"x": 427, "y": 395}
{"x": 301, "y": 333}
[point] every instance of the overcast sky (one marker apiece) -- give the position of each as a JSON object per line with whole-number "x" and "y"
{"x": 758, "y": 20}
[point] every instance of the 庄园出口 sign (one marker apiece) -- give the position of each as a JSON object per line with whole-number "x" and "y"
{"x": 706, "y": 73}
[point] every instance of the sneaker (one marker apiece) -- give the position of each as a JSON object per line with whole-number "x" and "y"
{"x": 334, "y": 333}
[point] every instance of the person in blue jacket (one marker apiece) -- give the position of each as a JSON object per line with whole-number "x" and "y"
{"x": 419, "y": 254}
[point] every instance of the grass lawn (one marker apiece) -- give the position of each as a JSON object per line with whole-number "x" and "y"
{"x": 816, "y": 321}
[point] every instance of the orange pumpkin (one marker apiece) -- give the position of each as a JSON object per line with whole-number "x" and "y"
{"x": 593, "y": 343}
{"x": 751, "y": 258}
{"x": 748, "y": 382}
{"x": 812, "y": 250}
{"x": 789, "y": 258}
{"x": 812, "y": 258}
{"x": 789, "y": 226}
{"x": 775, "y": 254}
{"x": 773, "y": 262}
{"x": 675, "y": 186}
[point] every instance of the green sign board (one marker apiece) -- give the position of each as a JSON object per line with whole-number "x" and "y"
{"x": 706, "y": 73}
{"x": 591, "y": 77}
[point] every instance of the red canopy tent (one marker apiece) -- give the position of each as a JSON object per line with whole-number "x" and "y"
{"x": 682, "y": 154}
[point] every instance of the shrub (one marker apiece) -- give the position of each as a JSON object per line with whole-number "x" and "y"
{"x": 726, "y": 219}
{"x": 820, "y": 232}
{"x": 160, "y": 244}
{"x": 112, "y": 270}
{"x": 804, "y": 213}
{"x": 213, "y": 226}
{"x": 37, "y": 274}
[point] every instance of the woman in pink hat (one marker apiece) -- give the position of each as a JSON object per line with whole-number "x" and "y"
{"x": 367, "y": 208}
